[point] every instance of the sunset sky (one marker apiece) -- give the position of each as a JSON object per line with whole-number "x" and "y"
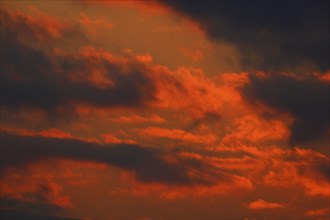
{"x": 165, "y": 110}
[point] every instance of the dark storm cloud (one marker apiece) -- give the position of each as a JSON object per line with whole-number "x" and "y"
{"x": 305, "y": 99}
{"x": 148, "y": 164}
{"x": 270, "y": 35}
{"x": 32, "y": 77}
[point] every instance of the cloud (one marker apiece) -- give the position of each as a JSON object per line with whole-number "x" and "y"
{"x": 277, "y": 167}
{"x": 154, "y": 118}
{"x": 50, "y": 133}
{"x": 31, "y": 194}
{"x": 195, "y": 55}
{"x": 268, "y": 35}
{"x": 190, "y": 89}
{"x": 228, "y": 184}
{"x": 31, "y": 78}
{"x": 91, "y": 24}
{"x": 33, "y": 187}
{"x": 169, "y": 174}
{"x": 317, "y": 212}
{"x": 255, "y": 129}
{"x": 63, "y": 80}
{"x": 262, "y": 204}
{"x": 39, "y": 26}
{"x": 148, "y": 164}
{"x": 17, "y": 210}
{"x": 178, "y": 134}
{"x": 306, "y": 99}
{"x": 130, "y": 157}
{"x": 110, "y": 138}
{"x": 305, "y": 168}
{"x": 57, "y": 80}
{"x": 217, "y": 183}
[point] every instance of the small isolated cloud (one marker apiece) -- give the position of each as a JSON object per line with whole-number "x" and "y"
{"x": 262, "y": 204}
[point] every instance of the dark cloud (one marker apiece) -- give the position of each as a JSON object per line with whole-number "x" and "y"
{"x": 270, "y": 35}
{"x": 31, "y": 78}
{"x": 13, "y": 209}
{"x": 148, "y": 164}
{"x": 39, "y": 78}
{"x": 305, "y": 99}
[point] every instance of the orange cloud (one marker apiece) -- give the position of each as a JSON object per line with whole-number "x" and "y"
{"x": 308, "y": 169}
{"x": 317, "y": 212}
{"x": 167, "y": 28}
{"x": 53, "y": 132}
{"x": 178, "y": 134}
{"x": 323, "y": 77}
{"x": 255, "y": 129}
{"x": 235, "y": 185}
{"x": 33, "y": 187}
{"x": 50, "y": 133}
{"x": 195, "y": 55}
{"x": 189, "y": 89}
{"x": 186, "y": 88}
{"x": 109, "y": 138}
{"x": 262, "y": 204}
{"x": 39, "y": 24}
{"x": 277, "y": 167}
{"x": 223, "y": 184}
{"x": 78, "y": 173}
{"x": 154, "y": 118}
{"x": 92, "y": 24}
{"x": 149, "y": 6}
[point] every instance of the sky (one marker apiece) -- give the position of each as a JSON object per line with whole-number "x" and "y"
{"x": 165, "y": 110}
